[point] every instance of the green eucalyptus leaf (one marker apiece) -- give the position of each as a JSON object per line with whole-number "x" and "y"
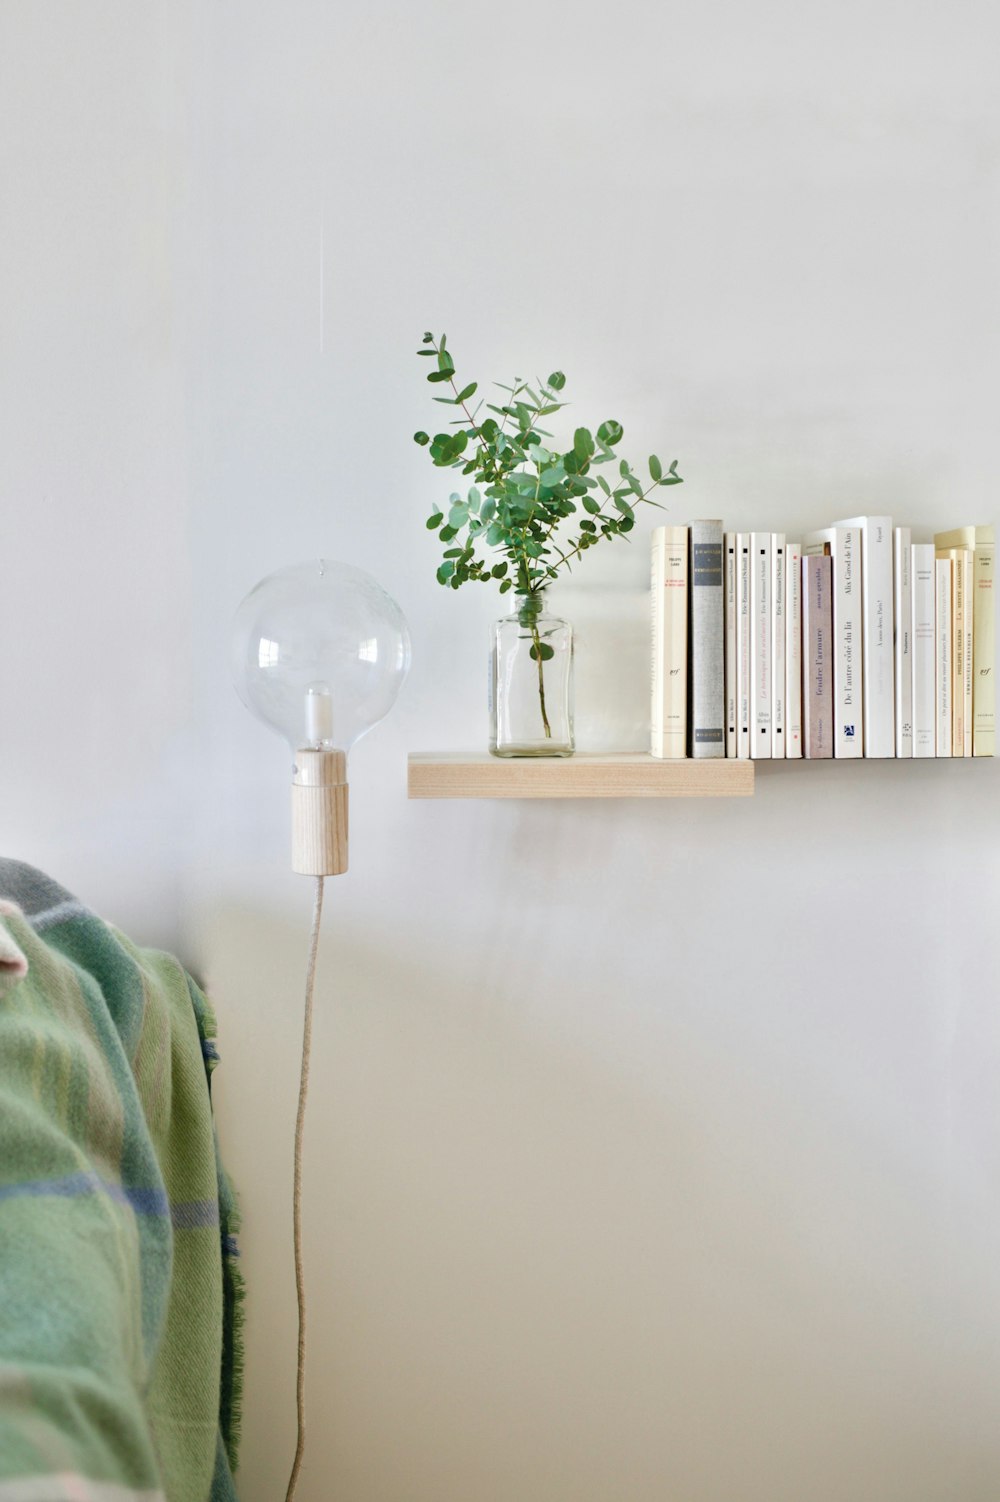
{"x": 556, "y": 380}
{"x": 583, "y": 444}
{"x": 470, "y": 390}
{"x": 591, "y": 505}
{"x": 445, "y": 572}
{"x": 655, "y": 468}
{"x": 440, "y": 375}
{"x": 435, "y": 521}
{"x": 421, "y": 438}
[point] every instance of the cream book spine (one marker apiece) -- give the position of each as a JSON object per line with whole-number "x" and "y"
{"x": 760, "y": 645}
{"x": 793, "y": 650}
{"x": 983, "y": 650}
{"x": 729, "y": 584}
{"x": 902, "y": 626}
{"x": 669, "y": 592}
{"x": 744, "y": 632}
{"x": 778, "y": 645}
{"x": 959, "y": 558}
{"x": 843, "y": 543}
{"x": 968, "y": 555}
{"x": 943, "y": 627}
{"x": 922, "y": 647}
{"x": 982, "y": 540}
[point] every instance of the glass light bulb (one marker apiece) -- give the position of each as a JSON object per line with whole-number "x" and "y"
{"x": 319, "y": 653}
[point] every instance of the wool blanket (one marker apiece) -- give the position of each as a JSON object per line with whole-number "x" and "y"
{"x": 119, "y": 1290}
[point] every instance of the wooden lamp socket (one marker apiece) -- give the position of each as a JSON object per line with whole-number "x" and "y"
{"x": 319, "y": 813}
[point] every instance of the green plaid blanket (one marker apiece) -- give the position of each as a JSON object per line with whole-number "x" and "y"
{"x": 119, "y": 1303}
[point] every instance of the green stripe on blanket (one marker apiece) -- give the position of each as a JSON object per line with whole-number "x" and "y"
{"x": 119, "y": 1292}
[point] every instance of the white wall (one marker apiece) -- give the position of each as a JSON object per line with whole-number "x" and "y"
{"x": 653, "y": 1150}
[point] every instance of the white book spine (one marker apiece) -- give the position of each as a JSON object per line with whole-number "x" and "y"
{"x": 942, "y": 656}
{"x": 923, "y": 648}
{"x": 902, "y": 626}
{"x": 760, "y": 645}
{"x": 876, "y": 633}
{"x": 844, "y": 544}
{"x": 669, "y": 591}
{"x": 793, "y": 650}
{"x": 729, "y": 582}
{"x": 778, "y": 644}
{"x": 743, "y": 636}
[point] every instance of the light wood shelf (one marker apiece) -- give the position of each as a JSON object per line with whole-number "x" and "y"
{"x": 444, "y": 774}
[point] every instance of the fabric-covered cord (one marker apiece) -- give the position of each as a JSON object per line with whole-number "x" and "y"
{"x": 300, "y": 1281}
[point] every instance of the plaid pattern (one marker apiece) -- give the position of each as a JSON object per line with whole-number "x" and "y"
{"x": 119, "y": 1295}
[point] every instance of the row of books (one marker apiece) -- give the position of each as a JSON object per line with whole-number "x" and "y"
{"x": 856, "y": 641}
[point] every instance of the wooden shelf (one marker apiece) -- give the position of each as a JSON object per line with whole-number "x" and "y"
{"x": 442, "y": 774}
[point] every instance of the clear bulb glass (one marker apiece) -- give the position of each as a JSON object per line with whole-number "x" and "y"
{"x": 319, "y": 653}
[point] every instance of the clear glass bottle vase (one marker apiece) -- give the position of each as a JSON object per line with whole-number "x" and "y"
{"x": 531, "y": 682}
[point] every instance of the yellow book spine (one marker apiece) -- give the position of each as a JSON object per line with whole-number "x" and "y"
{"x": 983, "y": 652}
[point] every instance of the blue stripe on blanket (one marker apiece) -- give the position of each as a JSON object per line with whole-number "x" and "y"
{"x": 187, "y": 1216}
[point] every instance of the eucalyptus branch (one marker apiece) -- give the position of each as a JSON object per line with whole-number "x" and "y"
{"x": 529, "y": 490}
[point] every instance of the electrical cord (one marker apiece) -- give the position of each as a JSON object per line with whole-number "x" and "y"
{"x": 300, "y": 1281}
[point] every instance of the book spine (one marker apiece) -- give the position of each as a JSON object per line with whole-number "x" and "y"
{"x": 902, "y": 617}
{"x": 955, "y": 558}
{"x": 983, "y": 650}
{"x": 844, "y": 545}
{"x": 793, "y": 650}
{"x": 817, "y": 639}
{"x": 669, "y": 592}
{"x": 743, "y": 634}
{"x": 876, "y": 637}
{"x": 760, "y": 645}
{"x": 967, "y": 647}
{"x": 778, "y": 644}
{"x": 707, "y": 627}
{"x": 943, "y": 627}
{"x": 731, "y": 672}
{"x": 922, "y": 641}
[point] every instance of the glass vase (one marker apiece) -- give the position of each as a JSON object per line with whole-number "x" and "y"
{"x": 531, "y": 682}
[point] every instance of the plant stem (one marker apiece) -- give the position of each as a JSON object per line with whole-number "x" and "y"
{"x": 541, "y": 678}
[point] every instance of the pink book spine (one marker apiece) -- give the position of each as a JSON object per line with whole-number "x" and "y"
{"x": 817, "y": 656}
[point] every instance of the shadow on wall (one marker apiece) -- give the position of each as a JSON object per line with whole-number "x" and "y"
{"x": 541, "y": 1272}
